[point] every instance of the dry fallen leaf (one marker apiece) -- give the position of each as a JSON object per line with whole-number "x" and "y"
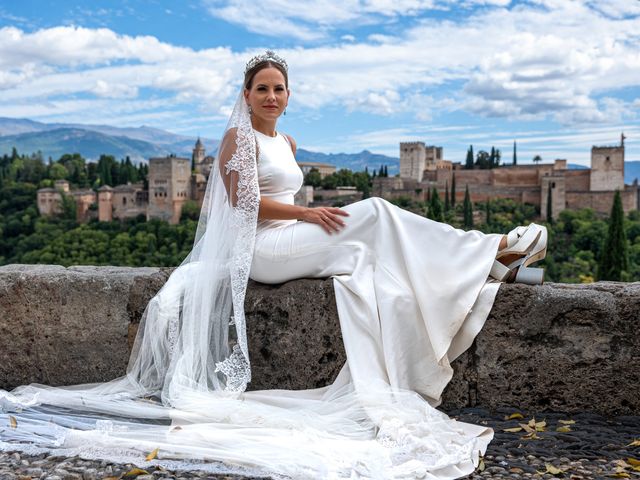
{"x": 514, "y": 416}
{"x": 552, "y": 470}
{"x": 620, "y": 475}
{"x": 539, "y": 426}
{"x": 152, "y": 455}
{"x": 567, "y": 422}
{"x": 13, "y": 422}
{"x": 513, "y": 430}
{"x": 527, "y": 428}
{"x": 531, "y": 436}
{"x": 633, "y": 461}
{"x": 563, "y": 429}
{"x": 635, "y": 443}
{"x": 134, "y": 472}
{"x": 481, "y": 465}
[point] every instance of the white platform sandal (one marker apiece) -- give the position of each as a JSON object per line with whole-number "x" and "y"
{"x": 531, "y": 243}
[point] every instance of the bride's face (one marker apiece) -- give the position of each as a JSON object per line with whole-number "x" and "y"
{"x": 268, "y": 95}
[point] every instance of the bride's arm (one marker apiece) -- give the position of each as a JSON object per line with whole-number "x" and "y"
{"x": 327, "y": 217}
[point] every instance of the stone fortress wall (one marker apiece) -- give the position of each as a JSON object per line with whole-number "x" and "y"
{"x": 171, "y": 184}
{"x": 422, "y": 168}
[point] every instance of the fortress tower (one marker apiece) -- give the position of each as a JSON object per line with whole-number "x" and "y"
{"x": 607, "y": 168}
{"x": 198, "y": 152}
{"x": 169, "y": 187}
{"x": 413, "y": 157}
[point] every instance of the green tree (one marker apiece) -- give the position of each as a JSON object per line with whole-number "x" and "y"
{"x": 57, "y": 171}
{"x": 467, "y": 209}
{"x": 614, "y": 262}
{"x": 447, "y": 204}
{"x": 435, "y": 207}
{"x": 468, "y": 164}
{"x": 313, "y": 178}
{"x": 483, "y": 160}
{"x": 453, "y": 190}
{"x": 537, "y": 159}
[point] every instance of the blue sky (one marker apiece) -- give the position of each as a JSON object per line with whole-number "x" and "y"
{"x": 556, "y": 75}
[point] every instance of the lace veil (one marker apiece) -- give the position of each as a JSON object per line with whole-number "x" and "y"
{"x": 192, "y": 335}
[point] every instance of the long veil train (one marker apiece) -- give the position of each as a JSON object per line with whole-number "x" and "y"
{"x": 184, "y": 397}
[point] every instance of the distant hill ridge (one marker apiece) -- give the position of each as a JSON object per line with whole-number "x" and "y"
{"x": 142, "y": 143}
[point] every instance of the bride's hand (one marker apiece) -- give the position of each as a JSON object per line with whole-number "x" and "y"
{"x": 327, "y": 217}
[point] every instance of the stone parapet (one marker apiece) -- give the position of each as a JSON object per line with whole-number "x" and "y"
{"x": 558, "y": 346}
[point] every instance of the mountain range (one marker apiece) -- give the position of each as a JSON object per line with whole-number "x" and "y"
{"x": 142, "y": 143}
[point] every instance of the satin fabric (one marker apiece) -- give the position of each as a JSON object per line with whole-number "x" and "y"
{"x": 411, "y": 295}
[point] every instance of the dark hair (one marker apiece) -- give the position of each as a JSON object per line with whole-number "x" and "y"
{"x": 248, "y": 77}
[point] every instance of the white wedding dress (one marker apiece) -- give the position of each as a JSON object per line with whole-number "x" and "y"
{"x": 411, "y": 295}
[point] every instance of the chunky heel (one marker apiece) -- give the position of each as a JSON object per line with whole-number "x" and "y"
{"x": 530, "y": 276}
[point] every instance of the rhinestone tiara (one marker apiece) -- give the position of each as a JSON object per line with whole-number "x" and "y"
{"x": 269, "y": 55}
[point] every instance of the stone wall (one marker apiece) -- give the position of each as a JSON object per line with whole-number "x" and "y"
{"x": 558, "y": 346}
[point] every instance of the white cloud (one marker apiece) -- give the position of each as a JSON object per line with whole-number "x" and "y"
{"x": 535, "y": 62}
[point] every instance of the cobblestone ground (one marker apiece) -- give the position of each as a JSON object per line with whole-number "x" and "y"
{"x": 579, "y": 446}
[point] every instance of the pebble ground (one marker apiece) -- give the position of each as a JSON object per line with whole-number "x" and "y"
{"x": 592, "y": 447}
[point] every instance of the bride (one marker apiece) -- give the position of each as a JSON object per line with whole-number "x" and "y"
{"x": 411, "y": 295}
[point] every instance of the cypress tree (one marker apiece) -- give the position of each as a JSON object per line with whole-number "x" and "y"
{"x": 453, "y": 190}
{"x": 615, "y": 254}
{"x": 469, "y": 162}
{"x": 467, "y": 209}
{"x": 435, "y": 206}
{"x": 447, "y": 205}
{"x": 515, "y": 156}
{"x": 549, "y": 206}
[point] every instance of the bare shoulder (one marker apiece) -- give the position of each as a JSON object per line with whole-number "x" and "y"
{"x": 292, "y": 142}
{"x": 230, "y": 134}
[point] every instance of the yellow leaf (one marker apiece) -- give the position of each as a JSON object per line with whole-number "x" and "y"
{"x": 134, "y": 472}
{"x": 633, "y": 461}
{"x": 13, "y": 422}
{"x": 512, "y": 430}
{"x": 527, "y": 428}
{"x": 567, "y": 422}
{"x": 514, "y": 416}
{"x": 635, "y": 443}
{"x": 636, "y": 468}
{"x": 152, "y": 455}
{"x": 621, "y": 464}
{"x": 539, "y": 426}
{"x": 531, "y": 436}
{"x": 620, "y": 475}
{"x": 481, "y": 465}
{"x": 564, "y": 429}
{"x": 553, "y": 470}
{"x": 532, "y": 422}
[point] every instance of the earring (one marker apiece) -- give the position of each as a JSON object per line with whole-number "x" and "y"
{"x": 250, "y": 109}
{"x": 285, "y": 111}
